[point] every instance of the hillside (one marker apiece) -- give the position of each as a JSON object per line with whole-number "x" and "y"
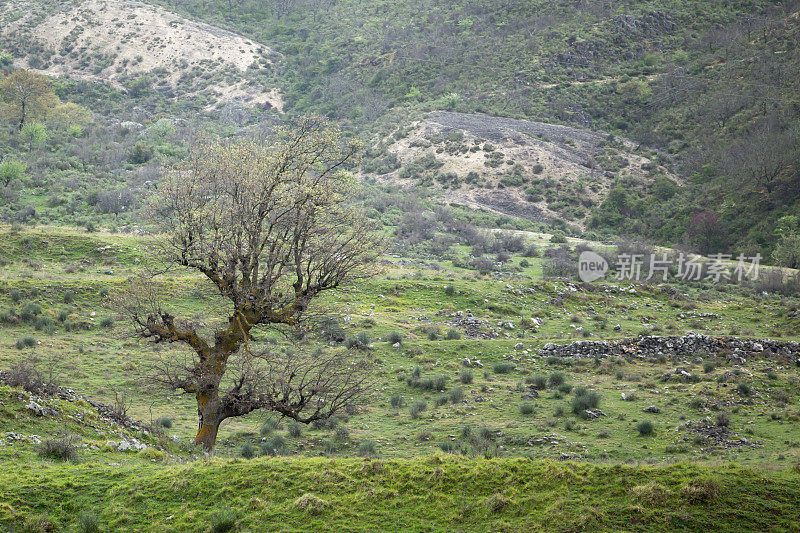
{"x": 131, "y": 45}
{"x": 431, "y": 493}
{"x": 531, "y": 170}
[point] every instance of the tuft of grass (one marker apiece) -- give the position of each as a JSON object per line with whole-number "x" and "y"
{"x": 465, "y": 377}
{"x": 88, "y": 522}
{"x": 223, "y": 520}
{"x": 394, "y": 338}
{"x": 452, "y": 334}
{"x": 417, "y": 408}
{"x": 503, "y": 368}
{"x": 456, "y": 395}
{"x": 368, "y": 448}
{"x": 645, "y": 427}
{"x": 526, "y": 409}
{"x": 247, "y": 451}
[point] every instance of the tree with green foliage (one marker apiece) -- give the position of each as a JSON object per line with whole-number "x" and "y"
{"x": 26, "y": 96}
{"x": 34, "y": 134}
{"x": 787, "y": 250}
{"x": 271, "y": 227}
{"x": 10, "y": 170}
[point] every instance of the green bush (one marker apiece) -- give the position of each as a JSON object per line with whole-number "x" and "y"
{"x": 88, "y": 522}
{"x": 248, "y": 451}
{"x": 556, "y": 379}
{"x": 368, "y": 448}
{"x": 584, "y": 400}
{"x": 453, "y": 334}
{"x": 394, "y": 338}
{"x": 457, "y": 395}
{"x": 58, "y": 449}
{"x": 465, "y": 377}
{"x": 223, "y": 521}
{"x": 503, "y": 368}
{"x": 417, "y": 408}
{"x": 164, "y": 422}
{"x": 526, "y": 409}
{"x": 645, "y": 427}
{"x": 295, "y": 429}
{"x": 25, "y": 342}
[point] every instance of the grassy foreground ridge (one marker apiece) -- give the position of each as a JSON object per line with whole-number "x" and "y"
{"x": 423, "y": 494}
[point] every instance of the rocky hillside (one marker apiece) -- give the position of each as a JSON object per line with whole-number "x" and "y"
{"x": 517, "y": 167}
{"x": 131, "y": 44}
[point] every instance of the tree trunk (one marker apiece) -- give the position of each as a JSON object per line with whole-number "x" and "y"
{"x": 211, "y": 414}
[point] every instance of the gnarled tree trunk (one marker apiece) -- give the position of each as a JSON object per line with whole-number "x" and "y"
{"x": 211, "y": 413}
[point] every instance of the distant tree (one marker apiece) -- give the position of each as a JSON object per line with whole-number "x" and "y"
{"x": 26, "y": 96}
{"x": 271, "y": 226}
{"x": 707, "y": 231}
{"x": 10, "y": 170}
{"x": 69, "y": 116}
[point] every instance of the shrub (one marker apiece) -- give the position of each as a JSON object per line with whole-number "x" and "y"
{"x": 248, "y": 451}
{"x": 583, "y": 400}
{"x": 295, "y": 429}
{"x": 15, "y": 295}
{"x": 268, "y": 426}
{"x": 223, "y": 521}
{"x": 359, "y": 342}
{"x": 539, "y": 382}
{"x": 69, "y": 297}
{"x": 396, "y": 401}
{"x": 556, "y": 379}
{"x": 449, "y": 290}
{"x": 88, "y": 522}
{"x": 417, "y": 408}
{"x": 58, "y": 449}
{"x": 439, "y": 401}
{"x": 107, "y": 323}
{"x": 275, "y": 445}
{"x": 486, "y": 433}
{"x": 645, "y": 427}
{"x": 394, "y": 338}
{"x": 465, "y": 377}
{"x": 367, "y": 448}
{"x": 341, "y": 434}
{"x": 744, "y": 389}
{"x": 452, "y": 334}
{"x": 164, "y": 422}
{"x": 526, "y": 409}
{"x": 457, "y": 395}
{"x": 449, "y": 447}
{"x": 723, "y": 420}
{"x": 708, "y": 367}
{"x": 25, "y": 342}
{"x": 565, "y": 388}
{"x": 29, "y": 311}
{"x": 503, "y": 368}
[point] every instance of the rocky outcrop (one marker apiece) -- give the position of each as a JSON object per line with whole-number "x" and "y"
{"x": 734, "y": 349}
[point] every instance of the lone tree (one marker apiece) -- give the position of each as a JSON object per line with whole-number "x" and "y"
{"x": 271, "y": 226}
{"x": 26, "y": 96}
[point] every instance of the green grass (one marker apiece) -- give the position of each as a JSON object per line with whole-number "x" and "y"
{"x": 432, "y": 494}
{"x": 470, "y": 413}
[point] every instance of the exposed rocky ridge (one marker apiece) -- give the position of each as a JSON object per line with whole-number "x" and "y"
{"x": 502, "y": 164}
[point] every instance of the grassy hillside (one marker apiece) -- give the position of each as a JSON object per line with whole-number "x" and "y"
{"x": 425, "y": 494}
{"x": 55, "y": 292}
